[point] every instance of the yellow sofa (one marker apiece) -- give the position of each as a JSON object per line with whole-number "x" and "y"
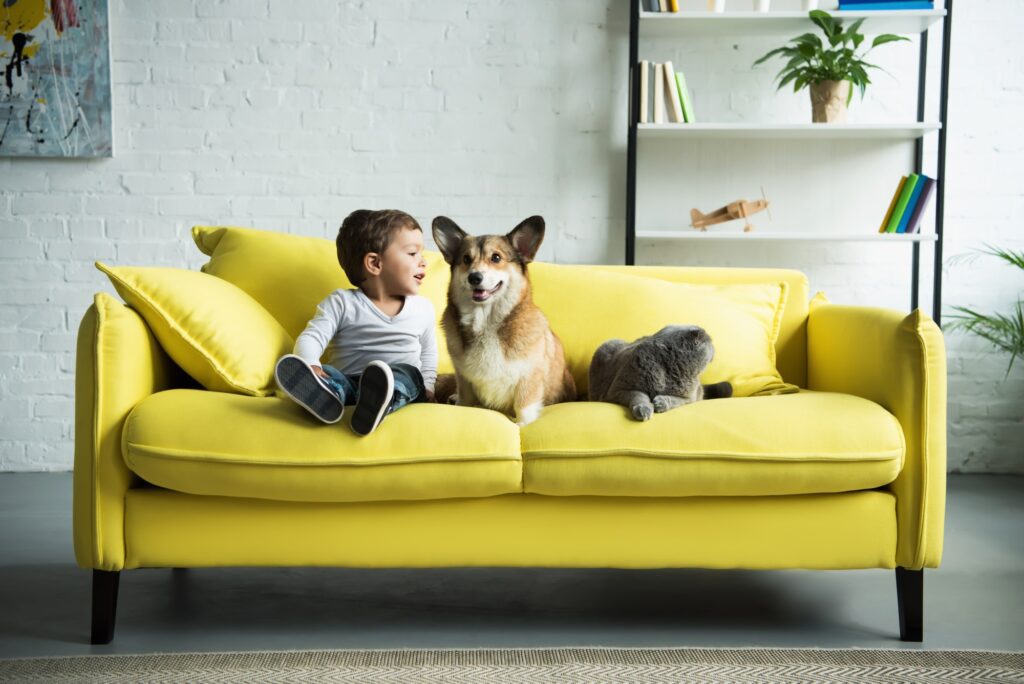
{"x": 849, "y": 472}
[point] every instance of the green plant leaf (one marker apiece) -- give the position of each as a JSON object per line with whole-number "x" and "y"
{"x": 886, "y": 38}
{"x": 771, "y": 54}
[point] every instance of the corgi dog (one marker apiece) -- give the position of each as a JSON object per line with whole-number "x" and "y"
{"x": 505, "y": 355}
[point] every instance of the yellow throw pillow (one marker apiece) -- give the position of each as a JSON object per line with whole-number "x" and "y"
{"x": 290, "y": 274}
{"x": 586, "y": 307}
{"x": 217, "y": 333}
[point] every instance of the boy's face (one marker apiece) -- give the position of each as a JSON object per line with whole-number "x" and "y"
{"x": 402, "y": 263}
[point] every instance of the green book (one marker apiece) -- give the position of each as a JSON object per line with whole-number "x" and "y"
{"x": 684, "y": 97}
{"x": 901, "y": 203}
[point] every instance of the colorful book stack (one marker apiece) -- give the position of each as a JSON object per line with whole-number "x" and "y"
{"x": 659, "y": 5}
{"x": 908, "y": 204}
{"x": 664, "y": 97}
{"x": 862, "y": 5}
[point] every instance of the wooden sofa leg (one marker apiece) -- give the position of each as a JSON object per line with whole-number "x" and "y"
{"x": 104, "y": 605}
{"x": 910, "y": 595}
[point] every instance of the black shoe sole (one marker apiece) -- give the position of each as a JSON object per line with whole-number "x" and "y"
{"x": 375, "y": 393}
{"x": 300, "y": 383}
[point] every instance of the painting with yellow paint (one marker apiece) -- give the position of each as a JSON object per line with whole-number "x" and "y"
{"x": 55, "y": 98}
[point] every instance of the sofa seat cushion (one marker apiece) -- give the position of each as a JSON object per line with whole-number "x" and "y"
{"x": 810, "y": 442}
{"x": 212, "y": 443}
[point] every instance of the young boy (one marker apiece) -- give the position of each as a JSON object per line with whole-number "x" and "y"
{"x": 379, "y": 336}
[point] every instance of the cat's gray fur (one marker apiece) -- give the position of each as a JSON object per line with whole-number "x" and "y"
{"x": 656, "y": 373}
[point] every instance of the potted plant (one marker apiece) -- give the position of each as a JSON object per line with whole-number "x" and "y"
{"x": 1003, "y": 331}
{"x": 830, "y": 72}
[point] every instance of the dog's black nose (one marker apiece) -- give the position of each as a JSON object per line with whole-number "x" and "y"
{"x": 475, "y": 278}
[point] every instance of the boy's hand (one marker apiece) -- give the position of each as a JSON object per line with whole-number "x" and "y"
{"x": 430, "y": 396}
{"x": 320, "y": 371}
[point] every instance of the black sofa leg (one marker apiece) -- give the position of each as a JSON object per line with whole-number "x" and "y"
{"x": 104, "y": 605}
{"x": 910, "y": 595}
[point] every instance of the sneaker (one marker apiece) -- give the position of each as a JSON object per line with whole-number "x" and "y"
{"x": 300, "y": 382}
{"x": 376, "y": 388}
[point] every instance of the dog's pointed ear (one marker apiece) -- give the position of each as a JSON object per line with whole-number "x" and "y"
{"x": 527, "y": 236}
{"x": 447, "y": 237}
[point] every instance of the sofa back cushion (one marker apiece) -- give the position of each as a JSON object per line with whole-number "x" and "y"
{"x": 290, "y": 274}
{"x": 587, "y": 307}
{"x": 217, "y": 333}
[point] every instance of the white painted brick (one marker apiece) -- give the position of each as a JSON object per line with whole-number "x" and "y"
{"x": 230, "y": 9}
{"x": 118, "y": 205}
{"x": 196, "y": 207}
{"x": 191, "y": 30}
{"x": 19, "y": 249}
{"x": 160, "y": 184}
{"x": 35, "y": 204}
{"x": 169, "y": 139}
{"x": 261, "y": 32}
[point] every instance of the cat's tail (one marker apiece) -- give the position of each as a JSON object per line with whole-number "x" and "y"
{"x": 718, "y": 390}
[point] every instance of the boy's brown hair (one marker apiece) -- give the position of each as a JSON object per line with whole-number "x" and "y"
{"x": 364, "y": 231}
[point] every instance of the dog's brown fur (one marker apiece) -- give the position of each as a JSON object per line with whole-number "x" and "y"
{"x": 505, "y": 355}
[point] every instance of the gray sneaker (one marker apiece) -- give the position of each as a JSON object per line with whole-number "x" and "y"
{"x": 376, "y": 388}
{"x": 300, "y": 382}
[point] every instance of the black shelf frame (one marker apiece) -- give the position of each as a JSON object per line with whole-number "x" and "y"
{"x": 940, "y": 180}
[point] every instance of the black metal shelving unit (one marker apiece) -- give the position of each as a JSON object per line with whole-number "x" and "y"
{"x": 945, "y": 22}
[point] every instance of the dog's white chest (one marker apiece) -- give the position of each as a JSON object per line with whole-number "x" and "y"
{"x": 493, "y": 376}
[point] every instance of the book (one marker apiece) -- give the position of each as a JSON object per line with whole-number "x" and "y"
{"x": 673, "y": 5}
{"x": 643, "y": 114}
{"x": 880, "y": 2}
{"x": 651, "y": 73}
{"x": 901, "y": 203}
{"x": 892, "y": 204}
{"x": 659, "y": 94}
{"x": 685, "y": 101}
{"x": 663, "y": 5}
{"x": 675, "y": 107}
{"x": 914, "y": 226}
{"x": 878, "y": 6}
{"x": 914, "y": 195}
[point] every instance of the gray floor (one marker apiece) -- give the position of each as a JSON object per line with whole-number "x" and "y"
{"x": 976, "y": 600}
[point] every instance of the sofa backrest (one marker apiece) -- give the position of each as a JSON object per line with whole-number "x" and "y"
{"x": 791, "y": 347}
{"x": 290, "y": 274}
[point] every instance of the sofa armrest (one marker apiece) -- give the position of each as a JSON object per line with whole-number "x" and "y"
{"x": 899, "y": 362}
{"x": 119, "y": 363}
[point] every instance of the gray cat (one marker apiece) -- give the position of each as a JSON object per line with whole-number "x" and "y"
{"x": 656, "y": 373}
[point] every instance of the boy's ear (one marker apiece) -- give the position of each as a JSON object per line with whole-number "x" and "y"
{"x": 371, "y": 263}
{"x": 448, "y": 237}
{"x": 527, "y": 236}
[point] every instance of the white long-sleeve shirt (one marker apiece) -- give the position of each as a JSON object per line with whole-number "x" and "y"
{"x": 353, "y": 332}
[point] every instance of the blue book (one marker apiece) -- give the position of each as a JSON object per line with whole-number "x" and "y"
{"x": 911, "y": 205}
{"x": 901, "y": 5}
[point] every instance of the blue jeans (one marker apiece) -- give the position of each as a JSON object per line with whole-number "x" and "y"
{"x": 408, "y": 385}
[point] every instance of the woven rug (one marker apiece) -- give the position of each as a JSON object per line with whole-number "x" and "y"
{"x": 561, "y": 665}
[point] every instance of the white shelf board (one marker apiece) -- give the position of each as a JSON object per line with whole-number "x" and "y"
{"x": 909, "y": 131}
{"x": 792, "y": 24}
{"x": 711, "y": 234}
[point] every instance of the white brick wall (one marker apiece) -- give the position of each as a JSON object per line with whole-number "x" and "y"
{"x": 287, "y": 115}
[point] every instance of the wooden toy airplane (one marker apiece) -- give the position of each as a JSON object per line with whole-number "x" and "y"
{"x": 734, "y": 210}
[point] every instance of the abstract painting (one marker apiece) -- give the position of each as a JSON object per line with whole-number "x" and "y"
{"x": 55, "y": 92}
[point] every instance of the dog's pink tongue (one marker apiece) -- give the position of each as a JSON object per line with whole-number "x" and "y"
{"x": 480, "y": 295}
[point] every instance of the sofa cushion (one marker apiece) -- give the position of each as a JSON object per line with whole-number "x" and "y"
{"x": 219, "y": 444}
{"x": 811, "y": 442}
{"x": 291, "y": 274}
{"x": 217, "y": 333}
{"x": 586, "y": 308}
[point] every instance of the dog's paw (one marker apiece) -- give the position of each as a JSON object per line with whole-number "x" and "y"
{"x": 453, "y": 399}
{"x": 642, "y": 411}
